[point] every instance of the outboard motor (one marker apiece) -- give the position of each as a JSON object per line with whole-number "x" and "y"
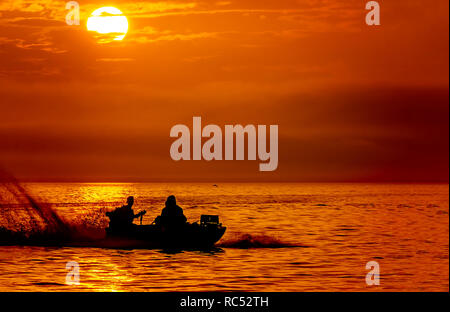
{"x": 210, "y": 220}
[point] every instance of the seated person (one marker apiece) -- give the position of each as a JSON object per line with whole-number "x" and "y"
{"x": 121, "y": 219}
{"x": 172, "y": 214}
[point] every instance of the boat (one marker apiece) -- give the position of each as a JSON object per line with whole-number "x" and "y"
{"x": 164, "y": 235}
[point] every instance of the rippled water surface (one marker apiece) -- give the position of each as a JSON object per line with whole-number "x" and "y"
{"x": 324, "y": 234}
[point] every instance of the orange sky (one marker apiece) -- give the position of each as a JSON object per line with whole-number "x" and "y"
{"x": 353, "y": 103}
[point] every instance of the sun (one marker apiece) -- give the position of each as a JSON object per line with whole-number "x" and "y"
{"x": 109, "y": 23}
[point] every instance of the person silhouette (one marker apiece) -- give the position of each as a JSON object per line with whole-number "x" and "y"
{"x": 121, "y": 219}
{"x": 172, "y": 214}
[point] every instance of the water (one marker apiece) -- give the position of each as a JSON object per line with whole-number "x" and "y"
{"x": 297, "y": 237}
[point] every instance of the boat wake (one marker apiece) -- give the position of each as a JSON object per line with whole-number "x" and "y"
{"x": 25, "y": 220}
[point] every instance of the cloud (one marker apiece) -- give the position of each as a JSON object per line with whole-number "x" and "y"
{"x": 375, "y": 134}
{"x": 169, "y": 36}
{"x": 137, "y": 9}
{"x": 115, "y": 59}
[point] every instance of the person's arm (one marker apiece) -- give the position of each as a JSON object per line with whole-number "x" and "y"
{"x": 143, "y": 212}
{"x": 181, "y": 214}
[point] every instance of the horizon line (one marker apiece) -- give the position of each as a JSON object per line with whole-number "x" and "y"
{"x": 229, "y": 182}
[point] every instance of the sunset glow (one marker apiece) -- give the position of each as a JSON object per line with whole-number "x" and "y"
{"x": 353, "y": 102}
{"x": 109, "y": 22}
{"x": 229, "y": 147}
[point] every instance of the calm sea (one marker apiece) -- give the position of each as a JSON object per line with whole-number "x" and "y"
{"x": 298, "y": 237}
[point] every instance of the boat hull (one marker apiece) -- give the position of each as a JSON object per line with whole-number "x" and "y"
{"x": 188, "y": 236}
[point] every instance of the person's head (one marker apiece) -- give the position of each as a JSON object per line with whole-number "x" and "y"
{"x": 171, "y": 201}
{"x": 130, "y": 200}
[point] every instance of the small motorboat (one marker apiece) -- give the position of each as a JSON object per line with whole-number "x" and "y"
{"x": 161, "y": 234}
